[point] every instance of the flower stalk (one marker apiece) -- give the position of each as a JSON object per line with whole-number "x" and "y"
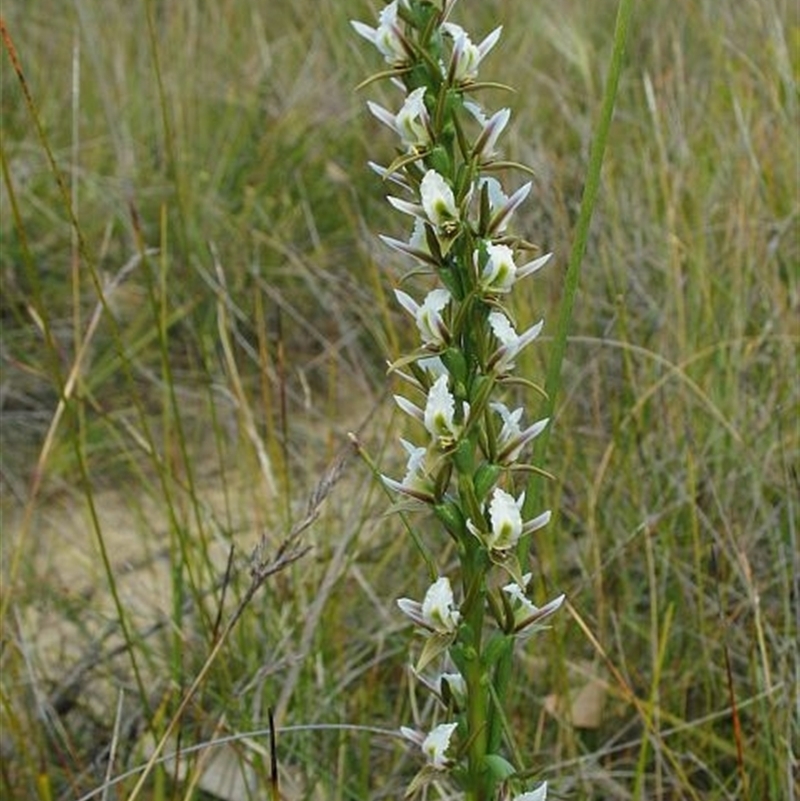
{"x": 465, "y": 462}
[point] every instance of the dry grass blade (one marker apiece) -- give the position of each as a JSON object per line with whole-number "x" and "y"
{"x": 263, "y": 565}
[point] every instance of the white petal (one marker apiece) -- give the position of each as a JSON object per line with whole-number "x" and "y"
{"x": 502, "y": 329}
{"x": 412, "y": 609}
{"x": 538, "y": 522}
{"x": 477, "y": 111}
{"x": 437, "y": 198}
{"x": 499, "y": 272}
{"x": 392, "y": 484}
{"x": 506, "y": 520}
{"x": 407, "y": 208}
{"x": 386, "y": 117}
{"x": 510, "y": 428}
{"x": 490, "y": 41}
{"x": 370, "y": 34}
{"x": 499, "y": 221}
{"x": 532, "y": 266}
{"x": 436, "y": 744}
{"x": 416, "y": 737}
{"x": 408, "y": 407}
{"x": 539, "y": 794}
{"x": 434, "y": 366}
{"x": 438, "y": 609}
{"x": 393, "y": 176}
{"x": 439, "y": 409}
{"x": 484, "y": 145}
{"x": 407, "y": 302}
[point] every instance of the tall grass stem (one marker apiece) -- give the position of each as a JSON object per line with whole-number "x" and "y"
{"x": 572, "y": 278}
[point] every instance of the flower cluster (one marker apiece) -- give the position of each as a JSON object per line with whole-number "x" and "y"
{"x": 467, "y": 461}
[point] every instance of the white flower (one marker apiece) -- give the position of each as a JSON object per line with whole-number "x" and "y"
{"x": 416, "y": 461}
{"x": 499, "y": 272}
{"x": 487, "y": 139}
{"x": 500, "y": 217}
{"x": 506, "y": 516}
{"x": 456, "y": 688}
{"x": 512, "y": 439}
{"x": 433, "y": 745}
{"x": 417, "y": 245}
{"x": 526, "y": 614}
{"x": 510, "y": 429}
{"x": 428, "y": 316}
{"x": 438, "y": 416}
{"x": 498, "y": 200}
{"x": 412, "y": 120}
{"x": 439, "y": 412}
{"x": 539, "y": 794}
{"x": 466, "y": 57}
{"x": 411, "y": 123}
{"x": 388, "y": 36}
{"x": 438, "y": 606}
{"x": 416, "y": 483}
{"x": 436, "y": 745}
{"x": 437, "y": 612}
{"x": 437, "y": 206}
{"x": 511, "y": 343}
{"x": 438, "y": 201}
{"x": 507, "y": 526}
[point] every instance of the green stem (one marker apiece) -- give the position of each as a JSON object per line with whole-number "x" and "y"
{"x": 477, "y": 687}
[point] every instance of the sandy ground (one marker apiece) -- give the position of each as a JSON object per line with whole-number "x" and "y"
{"x": 65, "y": 621}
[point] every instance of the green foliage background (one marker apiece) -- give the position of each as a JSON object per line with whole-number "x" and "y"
{"x": 214, "y": 160}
